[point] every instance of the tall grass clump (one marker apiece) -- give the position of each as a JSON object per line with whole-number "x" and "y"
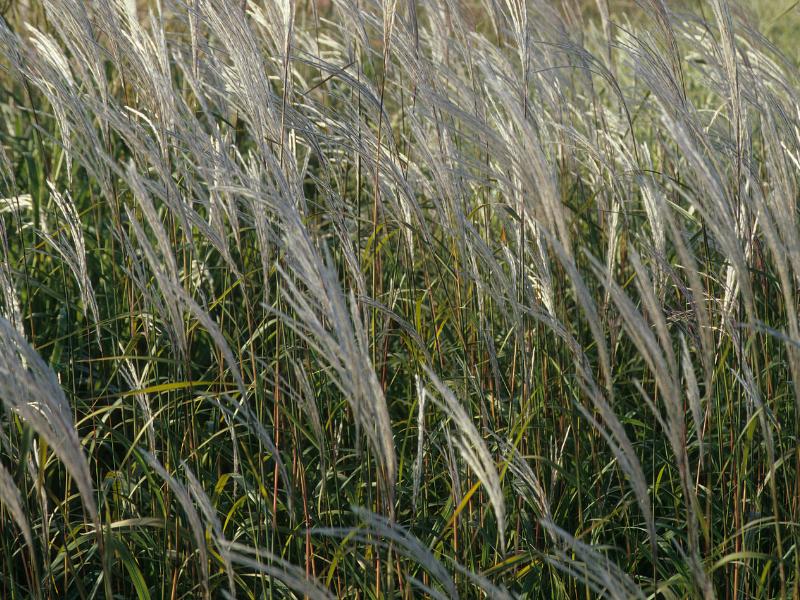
{"x": 383, "y": 298}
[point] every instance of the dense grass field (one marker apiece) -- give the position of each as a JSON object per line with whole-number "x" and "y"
{"x": 399, "y": 299}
